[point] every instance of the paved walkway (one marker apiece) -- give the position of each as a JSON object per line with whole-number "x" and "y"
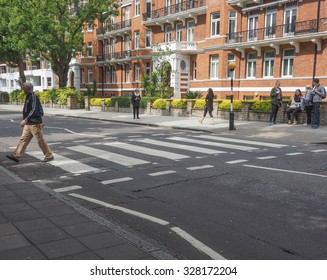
{"x": 38, "y": 223}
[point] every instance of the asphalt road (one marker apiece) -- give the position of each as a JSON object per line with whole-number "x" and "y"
{"x": 197, "y": 195}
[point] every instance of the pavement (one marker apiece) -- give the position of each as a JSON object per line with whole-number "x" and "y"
{"x": 38, "y": 223}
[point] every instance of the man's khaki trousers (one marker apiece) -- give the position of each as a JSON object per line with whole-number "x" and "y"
{"x": 30, "y": 131}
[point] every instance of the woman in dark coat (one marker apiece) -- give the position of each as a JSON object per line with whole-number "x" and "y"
{"x": 136, "y": 98}
{"x": 208, "y": 106}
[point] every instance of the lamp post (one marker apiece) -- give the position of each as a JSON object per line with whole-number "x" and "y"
{"x": 231, "y": 67}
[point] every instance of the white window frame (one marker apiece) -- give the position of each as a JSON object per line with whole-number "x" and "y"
{"x": 253, "y": 22}
{"x": 90, "y": 27}
{"x": 127, "y": 12}
{"x": 90, "y": 75}
{"x": 89, "y": 49}
{"x": 190, "y": 30}
{"x": 214, "y": 67}
{"x": 148, "y": 38}
{"x": 215, "y": 24}
{"x": 179, "y": 32}
{"x": 82, "y": 76}
{"x": 49, "y": 82}
{"x": 127, "y": 43}
{"x": 268, "y": 64}
{"x": 290, "y": 15}
{"x": 270, "y": 23}
{"x": 137, "y": 72}
{"x": 194, "y": 70}
{"x": 288, "y": 63}
{"x": 137, "y": 8}
{"x": 107, "y": 73}
{"x": 148, "y": 68}
{"x": 251, "y": 65}
{"x": 136, "y": 39}
{"x": 113, "y": 74}
{"x": 127, "y": 73}
{"x": 168, "y": 31}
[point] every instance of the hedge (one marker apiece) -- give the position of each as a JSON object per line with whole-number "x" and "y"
{"x": 178, "y": 103}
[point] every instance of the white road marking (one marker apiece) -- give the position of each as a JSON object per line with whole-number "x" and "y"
{"x": 105, "y": 155}
{"x": 215, "y": 144}
{"x": 67, "y": 189}
{"x": 67, "y": 164}
{"x": 122, "y": 209}
{"x": 146, "y": 151}
{"x": 318, "y": 151}
{"x": 286, "y": 171}
{"x": 198, "y": 244}
{"x": 195, "y": 149}
{"x": 162, "y": 173}
{"x": 118, "y": 180}
{"x": 236, "y": 161}
{"x": 200, "y": 167}
{"x": 294, "y": 154}
{"x": 231, "y": 140}
{"x": 267, "y": 157}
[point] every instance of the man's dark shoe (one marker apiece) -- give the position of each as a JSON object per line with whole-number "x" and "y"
{"x": 13, "y": 158}
{"x": 47, "y": 159}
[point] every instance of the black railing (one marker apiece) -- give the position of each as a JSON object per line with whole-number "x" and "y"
{"x": 115, "y": 27}
{"x": 115, "y": 56}
{"x": 173, "y": 9}
{"x": 278, "y": 31}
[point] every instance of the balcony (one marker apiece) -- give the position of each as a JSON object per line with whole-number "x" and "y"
{"x": 169, "y": 14}
{"x": 117, "y": 57}
{"x": 304, "y": 31}
{"x": 117, "y": 29}
{"x": 176, "y": 47}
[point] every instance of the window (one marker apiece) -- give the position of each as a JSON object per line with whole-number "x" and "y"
{"x": 137, "y": 7}
{"x": 251, "y": 66}
{"x": 82, "y": 76}
{"x": 127, "y": 13}
{"x": 194, "y": 70}
{"x": 90, "y": 76}
{"x": 107, "y": 69}
{"x": 49, "y": 82}
{"x": 168, "y": 7}
{"x": 178, "y": 5}
{"x": 137, "y": 72}
{"x": 127, "y": 73}
{"x": 215, "y": 24}
{"x": 11, "y": 83}
{"x": 214, "y": 61}
{"x": 48, "y": 65}
{"x": 148, "y": 38}
{"x": 268, "y": 68}
{"x": 148, "y": 8}
{"x": 89, "y": 27}
{"x": 179, "y": 28}
{"x": 232, "y": 25}
{"x": 190, "y": 31}
{"x": 148, "y": 68}
{"x": 270, "y": 30}
{"x": 137, "y": 39}
{"x": 290, "y": 20}
{"x": 113, "y": 74}
{"x": 89, "y": 49}
{"x": 230, "y": 58}
{"x": 127, "y": 43}
{"x": 112, "y": 46}
{"x": 168, "y": 34}
{"x": 253, "y": 27}
{"x": 288, "y": 60}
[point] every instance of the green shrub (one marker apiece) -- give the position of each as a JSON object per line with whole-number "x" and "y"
{"x": 159, "y": 104}
{"x": 144, "y": 101}
{"x": 261, "y": 106}
{"x": 123, "y": 101}
{"x": 64, "y": 92}
{"x": 199, "y": 104}
{"x": 225, "y": 105}
{"x": 193, "y": 94}
{"x": 17, "y": 96}
{"x": 178, "y": 103}
{"x": 96, "y": 101}
{"x": 107, "y": 101}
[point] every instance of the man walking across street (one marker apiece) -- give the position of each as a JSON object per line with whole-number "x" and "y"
{"x": 32, "y": 126}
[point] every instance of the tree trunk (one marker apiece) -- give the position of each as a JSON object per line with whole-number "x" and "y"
{"x": 61, "y": 68}
{"x": 21, "y": 67}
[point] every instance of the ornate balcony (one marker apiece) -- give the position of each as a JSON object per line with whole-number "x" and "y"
{"x": 295, "y": 33}
{"x": 117, "y": 29}
{"x": 169, "y": 14}
{"x": 176, "y": 47}
{"x": 116, "y": 57}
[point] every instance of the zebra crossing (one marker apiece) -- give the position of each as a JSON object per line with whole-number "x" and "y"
{"x": 144, "y": 151}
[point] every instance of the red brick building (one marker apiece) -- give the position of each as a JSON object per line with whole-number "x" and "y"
{"x": 267, "y": 40}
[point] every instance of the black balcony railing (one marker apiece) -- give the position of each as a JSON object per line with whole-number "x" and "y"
{"x": 115, "y": 56}
{"x": 115, "y": 27}
{"x": 173, "y": 9}
{"x": 278, "y": 31}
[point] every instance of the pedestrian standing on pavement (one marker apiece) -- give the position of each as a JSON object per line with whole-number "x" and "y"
{"x": 136, "y": 99}
{"x": 318, "y": 94}
{"x": 294, "y": 108}
{"x": 208, "y": 107}
{"x": 32, "y": 126}
{"x": 308, "y": 105}
{"x": 276, "y": 101}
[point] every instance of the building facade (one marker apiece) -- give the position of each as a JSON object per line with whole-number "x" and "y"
{"x": 267, "y": 40}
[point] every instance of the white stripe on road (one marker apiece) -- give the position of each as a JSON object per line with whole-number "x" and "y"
{"x": 195, "y": 149}
{"x": 236, "y": 161}
{"x": 294, "y": 154}
{"x": 318, "y": 151}
{"x": 67, "y": 164}
{"x": 215, "y": 144}
{"x": 118, "y": 180}
{"x": 200, "y": 167}
{"x": 146, "y": 151}
{"x": 162, "y": 173}
{"x": 231, "y": 140}
{"x": 198, "y": 244}
{"x": 67, "y": 189}
{"x": 267, "y": 157}
{"x": 122, "y": 209}
{"x": 108, "y": 156}
{"x": 286, "y": 171}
